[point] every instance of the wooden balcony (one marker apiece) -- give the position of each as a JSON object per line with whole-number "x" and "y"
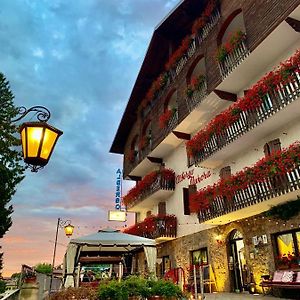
{"x": 272, "y": 103}
{"x": 233, "y": 59}
{"x": 160, "y": 228}
{"x": 254, "y": 196}
{"x": 153, "y": 188}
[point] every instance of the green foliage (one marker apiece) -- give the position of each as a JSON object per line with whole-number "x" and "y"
{"x": 136, "y": 286}
{"x": 75, "y": 293}
{"x": 112, "y": 290}
{"x": 11, "y": 171}
{"x": 164, "y": 288}
{"x": 2, "y": 286}
{"x": 284, "y": 211}
{"x": 44, "y": 268}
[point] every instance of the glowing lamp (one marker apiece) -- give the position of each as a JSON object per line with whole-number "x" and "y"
{"x": 69, "y": 230}
{"x": 38, "y": 142}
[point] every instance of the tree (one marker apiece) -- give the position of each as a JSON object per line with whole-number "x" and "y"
{"x": 11, "y": 170}
{"x": 44, "y": 268}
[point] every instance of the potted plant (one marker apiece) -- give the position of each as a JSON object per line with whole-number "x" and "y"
{"x": 163, "y": 289}
{"x": 135, "y": 287}
{"x": 112, "y": 290}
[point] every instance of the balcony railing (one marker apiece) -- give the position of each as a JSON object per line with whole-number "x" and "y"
{"x": 163, "y": 179}
{"x": 269, "y": 178}
{"x": 154, "y": 227}
{"x": 233, "y": 59}
{"x": 197, "y": 96}
{"x": 272, "y": 102}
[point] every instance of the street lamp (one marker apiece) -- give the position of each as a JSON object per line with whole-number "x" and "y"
{"x": 68, "y": 228}
{"x": 38, "y": 138}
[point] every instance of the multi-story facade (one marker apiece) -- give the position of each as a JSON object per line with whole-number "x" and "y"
{"x": 209, "y": 137}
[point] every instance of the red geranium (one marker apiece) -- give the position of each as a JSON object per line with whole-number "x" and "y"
{"x": 278, "y": 163}
{"x": 253, "y": 99}
{"x": 165, "y": 118}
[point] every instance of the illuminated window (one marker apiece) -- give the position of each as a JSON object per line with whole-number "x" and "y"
{"x": 200, "y": 257}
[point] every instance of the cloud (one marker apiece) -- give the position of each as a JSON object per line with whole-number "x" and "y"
{"x": 80, "y": 60}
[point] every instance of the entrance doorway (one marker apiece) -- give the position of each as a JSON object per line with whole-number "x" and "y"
{"x": 237, "y": 263}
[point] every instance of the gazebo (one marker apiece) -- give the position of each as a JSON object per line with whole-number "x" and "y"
{"x": 105, "y": 245}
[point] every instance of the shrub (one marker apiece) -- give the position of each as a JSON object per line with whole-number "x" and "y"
{"x": 43, "y": 268}
{"x": 164, "y": 288}
{"x": 2, "y": 286}
{"x": 75, "y": 293}
{"x": 113, "y": 290}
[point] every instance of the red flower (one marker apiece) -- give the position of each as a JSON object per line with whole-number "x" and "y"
{"x": 278, "y": 163}
{"x": 252, "y": 100}
{"x": 166, "y": 117}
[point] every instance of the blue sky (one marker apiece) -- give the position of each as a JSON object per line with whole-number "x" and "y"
{"x": 80, "y": 59}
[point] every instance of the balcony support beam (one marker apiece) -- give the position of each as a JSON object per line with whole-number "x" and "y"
{"x": 295, "y": 24}
{"x": 182, "y": 135}
{"x": 155, "y": 160}
{"x": 226, "y": 95}
{"x": 135, "y": 178}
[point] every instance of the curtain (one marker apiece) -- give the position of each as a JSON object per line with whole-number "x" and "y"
{"x": 151, "y": 254}
{"x": 70, "y": 263}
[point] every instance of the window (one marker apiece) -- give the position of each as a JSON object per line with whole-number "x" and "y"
{"x": 162, "y": 208}
{"x": 200, "y": 256}
{"x": 225, "y": 172}
{"x": 166, "y": 264}
{"x": 271, "y": 147}
{"x": 288, "y": 243}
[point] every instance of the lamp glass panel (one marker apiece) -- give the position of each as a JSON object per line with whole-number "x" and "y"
{"x": 23, "y": 138}
{"x": 69, "y": 230}
{"x": 34, "y": 136}
{"x": 48, "y": 143}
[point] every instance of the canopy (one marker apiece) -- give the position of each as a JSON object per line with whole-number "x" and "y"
{"x": 106, "y": 240}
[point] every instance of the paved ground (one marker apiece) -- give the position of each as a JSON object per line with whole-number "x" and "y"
{"x": 242, "y": 296}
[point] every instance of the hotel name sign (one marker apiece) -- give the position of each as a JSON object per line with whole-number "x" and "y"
{"x": 191, "y": 177}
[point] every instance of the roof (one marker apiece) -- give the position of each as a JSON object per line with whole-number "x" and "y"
{"x": 171, "y": 30}
{"x": 112, "y": 238}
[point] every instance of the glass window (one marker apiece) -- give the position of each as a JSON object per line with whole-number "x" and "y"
{"x": 285, "y": 244}
{"x": 200, "y": 257}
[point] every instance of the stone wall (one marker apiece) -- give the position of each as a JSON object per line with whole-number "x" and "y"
{"x": 259, "y": 259}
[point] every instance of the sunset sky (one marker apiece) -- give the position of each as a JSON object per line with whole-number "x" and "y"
{"x": 80, "y": 59}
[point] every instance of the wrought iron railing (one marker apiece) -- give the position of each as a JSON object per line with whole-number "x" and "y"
{"x": 197, "y": 97}
{"x": 271, "y": 187}
{"x": 154, "y": 227}
{"x": 233, "y": 59}
{"x": 274, "y": 101}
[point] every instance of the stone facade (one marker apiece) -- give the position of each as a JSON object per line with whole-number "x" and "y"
{"x": 260, "y": 259}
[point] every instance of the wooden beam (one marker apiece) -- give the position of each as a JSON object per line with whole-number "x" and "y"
{"x": 226, "y": 95}
{"x": 295, "y": 24}
{"x": 155, "y": 160}
{"x": 135, "y": 178}
{"x": 182, "y": 135}
{"x": 108, "y": 259}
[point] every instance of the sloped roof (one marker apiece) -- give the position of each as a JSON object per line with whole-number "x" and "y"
{"x": 171, "y": 30}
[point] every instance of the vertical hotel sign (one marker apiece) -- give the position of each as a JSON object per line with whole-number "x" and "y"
{"x": 118, "y": 190}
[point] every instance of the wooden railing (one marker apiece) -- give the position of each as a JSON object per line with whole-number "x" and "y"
{"x": 272, "y": 102}
{"x": 271, "y": 187}
{"x": 154, "y": 227}
{"x": 197, "y": 97}
{"x": 233, "y": 59}
{"x": 160, "y": 183}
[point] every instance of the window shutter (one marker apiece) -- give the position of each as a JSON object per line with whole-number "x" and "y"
{"x": 225, "y": 172}
{"x": 272, "y": 146}
{"x": 186, "y": 203}
{"x": 162, "y": 208}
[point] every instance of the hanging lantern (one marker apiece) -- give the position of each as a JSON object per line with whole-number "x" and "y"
{"x": 38, "y": 142}
{"x": 69, "y": 230}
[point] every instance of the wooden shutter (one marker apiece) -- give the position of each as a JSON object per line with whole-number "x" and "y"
{"x": 272, "y": 146}
{"x": 162, "y": 208}
{"x": 225, "y": 172}
{"x": 186, "y": 204}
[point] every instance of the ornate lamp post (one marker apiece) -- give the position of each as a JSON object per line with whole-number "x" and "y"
{"x": 68, "y": 228}
{"x": 38, "y": 138}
